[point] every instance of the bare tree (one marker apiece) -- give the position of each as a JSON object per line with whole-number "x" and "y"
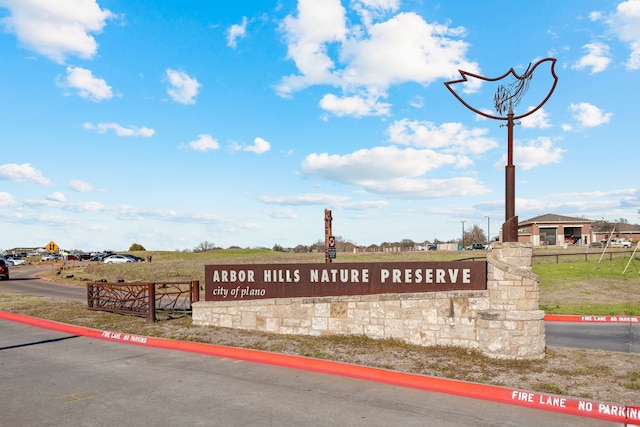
{"x": 204, "y": 247}
{"x": 474, "y": 235}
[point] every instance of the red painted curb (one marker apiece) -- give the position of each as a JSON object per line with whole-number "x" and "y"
{"x": 577, "y": 407}
{"x": 593, "y": 319}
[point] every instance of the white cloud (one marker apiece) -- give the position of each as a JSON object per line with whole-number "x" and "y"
{"x": 370, "y": 10}
{"x": 392, "y": 171}
{"x": 82, "y": 186}
{"x": 378, "y": 163}
{"x": 625, "y": 23}
{"x": 595, "y": 16}
{"x": 7, "y": 200}
{"x": 204, "y": 143}
{"x": 537, "y": 120}
{"x": 449, "y": 137}
{"x": 597, "y": 58}
{"x": 589, "y": 115}
{"x": 259, "y": 146}
{"x": 305, "y": 199}
{"x": 235, "y": 32}
{"x": 22, "y": 173}
{"x": 86, "y": 85}
{"x": 404, "y": 48}
{"x": 57, "y": 196}
{"x": 282, "y": 214}
{"x": 182, "y": 87}
{"x": 354, "y": 106}
{"x": 56, "y": 29}
{"x": 365, "y": 205}
{"x": 318, "y": 24}
{"x": 120, "y": 130}
{"x": 409, "y": 188}
{"x": 538, "y": 152}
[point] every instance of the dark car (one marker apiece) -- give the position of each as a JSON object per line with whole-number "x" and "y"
{"x": 475, "y": 246}
{"x": 4, "y": 270}
{"x": 100, "y": 256}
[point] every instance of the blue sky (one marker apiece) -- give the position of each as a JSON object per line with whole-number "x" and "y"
{"x": 237, "y": 123}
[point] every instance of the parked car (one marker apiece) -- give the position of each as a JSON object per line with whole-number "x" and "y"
{"x": 100, "y": 256}
{"x": 49, "y": 257}
{"x": 117, "y": 259}
{"x": 17, "y": 260}
{"x": 432, "y": 247}
{"x": 475, "y": 246}
{"x": 4, "y": 270}
{"x": 134, "y": 258}
{"x": 7, "y": 261}
{"x": 620, "y": 243}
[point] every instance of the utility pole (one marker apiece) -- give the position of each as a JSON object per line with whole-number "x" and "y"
{"x": 488, "y": 231}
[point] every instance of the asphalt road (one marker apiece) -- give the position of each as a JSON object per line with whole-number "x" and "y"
{"x": 50, "y": 378}
{"x": 23, "y": 281}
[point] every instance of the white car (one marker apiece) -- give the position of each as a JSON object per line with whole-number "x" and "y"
{"x": 116, "y": 259}
{"x": 620, "y": 243}
{"x": 17, "y": 261}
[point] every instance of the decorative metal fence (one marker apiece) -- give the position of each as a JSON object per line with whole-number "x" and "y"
{"x": 135, "y": 297}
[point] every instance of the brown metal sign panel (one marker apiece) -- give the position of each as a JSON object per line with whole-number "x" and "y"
{"x": 258, "y": 281}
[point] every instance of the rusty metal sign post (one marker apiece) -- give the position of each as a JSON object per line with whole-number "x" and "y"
{"x": 506, "y": 98}
{"x": 329, "y": 240}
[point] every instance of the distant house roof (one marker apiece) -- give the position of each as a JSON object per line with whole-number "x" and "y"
{"x": 607, "y": 227}
{"x": 551, "y": 218}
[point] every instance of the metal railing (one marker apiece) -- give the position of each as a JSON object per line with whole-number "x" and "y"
{"x": 557, "y": 258}
{"x": 135, "y": 297}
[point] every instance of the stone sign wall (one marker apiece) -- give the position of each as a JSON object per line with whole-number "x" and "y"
{"x": 501, "y": 320}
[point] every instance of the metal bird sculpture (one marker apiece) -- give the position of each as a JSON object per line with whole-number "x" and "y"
{"x": 509, "y": 94}
{"x": 506, "y": 97}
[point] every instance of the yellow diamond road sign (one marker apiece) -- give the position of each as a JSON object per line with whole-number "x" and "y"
{"x": 51, "y": 247}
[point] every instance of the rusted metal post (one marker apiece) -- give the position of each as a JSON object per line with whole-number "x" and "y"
{"x": 89, "y": 295}
{"x": 195, "y": 291}
{"x": 152, "y": 303}
{"x": 327, "y": 233}
{"x": 510, "y": 226}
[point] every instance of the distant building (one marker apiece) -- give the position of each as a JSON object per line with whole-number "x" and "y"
{"x": 560, "y": 230}
{"x": 26, "y": 251}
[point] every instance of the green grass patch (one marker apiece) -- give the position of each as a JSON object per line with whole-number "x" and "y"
{"x": 594, "y": 309}
{"x": 563, "y": 273}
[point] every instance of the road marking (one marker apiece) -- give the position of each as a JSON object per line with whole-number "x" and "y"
{"x": 74, "y": 397}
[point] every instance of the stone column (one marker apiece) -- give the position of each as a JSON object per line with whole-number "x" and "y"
{"x": 513, "y": 326}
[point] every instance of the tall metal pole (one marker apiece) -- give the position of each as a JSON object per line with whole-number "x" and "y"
{"x": 462, "y": 245}
{"x": 510, "y": 226}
